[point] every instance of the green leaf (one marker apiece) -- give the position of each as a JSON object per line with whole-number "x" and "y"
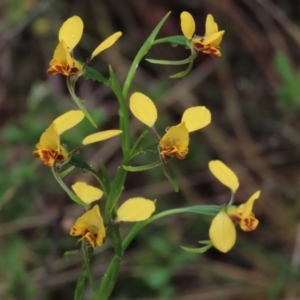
{"x": 211, "y": 210}
{"x": 168, "y": 174}
{"x": 66, "y": 172}
{"x": 109, "y": 279}
{"x": 74, "y": 197}
{"x": 186, "y": 71}
{"x": 173, "y": 40}
{"x": 169, "y": 62}
{"x": 84, "y": 110}
{"x": 105, "y": 178}
{"x": 151, "y": 148}
{"x": 197, "y": 250}
{"x": 71, "y": 87}
{"x": 142, "y": 52}
{"x": 138, "y": 142}
{"x": 93, "y": 74}
{"x": 76, "y": 161}
{"x": 142, "y": 168}
{"x": 85, "y": 272}
{"x": 88, "y": 252}
{"x": 69, "y": 253}
{"x": 123, "y": 113}
{"x": 289, "y": 88}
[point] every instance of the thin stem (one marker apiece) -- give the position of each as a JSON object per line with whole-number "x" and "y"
{"x": 110, "y": 277}
{"x": 71, "y": 84}
{"x": 142, "y": 52}
{"x": 175, "y": 40}
{"x": 199, "y": 209}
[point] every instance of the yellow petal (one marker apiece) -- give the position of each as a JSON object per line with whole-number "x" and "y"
{"x": 61, "y": 55}
{"x": 143, "y": 108}
{"x": 245, "y": 209}
{"x": 175, "y": 141}
{"x": 135, "y": 210}
{"x": 87, "y": 193}
{"x": 107, "y": 43}
{"x": 49, "y": 139}
{"x": 211, "y": 26}
{"x": 100, "y": 136}
{"x": 71, "y": 32}
{"x": 188, "y": 26}
{"x": 68, "y": 120}
{"x": 222, "y": 232}
{"x": 224, "y": 174}
{"x": 196, "y": 118}
{"x": 214, "y": 39}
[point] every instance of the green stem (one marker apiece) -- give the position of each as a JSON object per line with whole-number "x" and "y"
{"x": 70, "y": 85}
{"x": 142, "y": 52}
{"x": 88, "y": 251}
{"x": 110, "y": 277}
{"x": 175, "y": 40}
{"x": 118, "y": 182}
{"x": 231, "y": 199}
{"x": 117, "y": 186}
{"x": 85, "y": 272}
{"x": 199, "y": 209}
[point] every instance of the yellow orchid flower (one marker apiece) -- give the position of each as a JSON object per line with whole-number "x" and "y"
{"x": 87, "y": 193}
{"x": 91, "y": 227}
{"x": 135, "y": 210}
{"x": 62, "y": 62}
{"x": 210, "y": 42}
{"x": 176, "y": 141}
{"x": 243, "y": 214}
{"x": 69, "y": 36}
{"x": 49, "y": 149}
{"x": 222, "y": 232}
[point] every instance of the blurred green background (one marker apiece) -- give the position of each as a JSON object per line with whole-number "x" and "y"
{"x": 253, "y": 92}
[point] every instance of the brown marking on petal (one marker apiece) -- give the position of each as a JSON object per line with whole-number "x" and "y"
{"x": 51, "y": 71}
{"x": 249, "y": 224}
{"x": 74, "y": 70}
{"x": 59, "y": 69}
{"x": 208, "y": 49}
{"x": 181, "y": 155}
{"x": 234, "y": 218}
{"x": 172, "y": 151}
{"x": 198, "y": 46}
{"x": 48, "y": 157}
{"x": 169, "y": 151}
{"x": 36, "y": 154}
{"x": 73, "y": 231}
